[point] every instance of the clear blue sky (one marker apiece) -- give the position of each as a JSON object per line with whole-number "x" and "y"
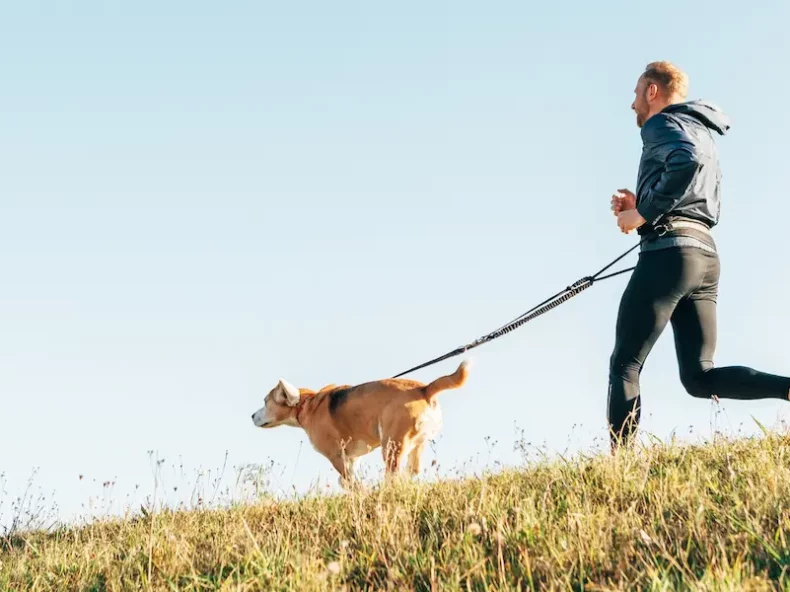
{"x": 199, "y": 198}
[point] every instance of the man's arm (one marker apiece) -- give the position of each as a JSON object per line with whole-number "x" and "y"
{"x": 681, "y": 164}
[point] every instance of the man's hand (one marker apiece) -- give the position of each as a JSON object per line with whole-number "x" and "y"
{"x": 623, "y": 200}
{"x": 629, "y": 220}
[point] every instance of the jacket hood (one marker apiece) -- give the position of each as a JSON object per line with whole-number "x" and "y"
{"x": 706, "y": 112}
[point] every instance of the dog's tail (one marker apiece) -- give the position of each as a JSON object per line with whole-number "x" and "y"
{"x": 452, "y": 381}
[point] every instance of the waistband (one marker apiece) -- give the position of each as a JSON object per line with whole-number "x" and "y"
{"x": 679, "y": 232}
{"x": 672, "y": 224}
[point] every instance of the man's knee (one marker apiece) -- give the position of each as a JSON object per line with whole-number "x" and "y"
{"x": 696, "y": 384}
{"x": 623, "y": 383}
{"x": 624, "y": 368}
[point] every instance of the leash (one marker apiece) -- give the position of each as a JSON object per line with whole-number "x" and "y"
{"x": 542, "y": 308}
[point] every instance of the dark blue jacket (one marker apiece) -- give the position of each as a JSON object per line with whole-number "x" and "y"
{"x": 679, "y": 174}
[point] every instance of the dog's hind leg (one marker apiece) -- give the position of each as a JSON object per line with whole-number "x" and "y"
{"x": 392, "y": 450}
{"x": 415, "y": 457}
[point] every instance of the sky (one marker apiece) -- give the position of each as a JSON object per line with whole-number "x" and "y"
{"x": 198, "y": 198}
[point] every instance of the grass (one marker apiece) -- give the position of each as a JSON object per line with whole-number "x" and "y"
{"x": 664, "y": 517}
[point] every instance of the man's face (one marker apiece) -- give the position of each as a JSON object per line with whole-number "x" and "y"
{"x": 641, "y": 104}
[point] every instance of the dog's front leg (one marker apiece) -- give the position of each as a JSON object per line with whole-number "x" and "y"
{"x": 344, "y": 466}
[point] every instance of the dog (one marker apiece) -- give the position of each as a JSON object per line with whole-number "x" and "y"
{"x": 346, "y": 422}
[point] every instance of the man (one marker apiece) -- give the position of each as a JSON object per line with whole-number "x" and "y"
{"x": 676, "y": 279}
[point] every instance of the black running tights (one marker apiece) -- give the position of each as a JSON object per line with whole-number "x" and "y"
{"x": 677, "y": 285}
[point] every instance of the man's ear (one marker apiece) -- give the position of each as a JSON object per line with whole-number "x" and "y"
{"x": 291, "y": 393}
{"x": 651, "y": 91}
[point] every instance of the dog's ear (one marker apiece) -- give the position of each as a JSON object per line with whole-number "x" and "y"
{"x": 290, "y": 393}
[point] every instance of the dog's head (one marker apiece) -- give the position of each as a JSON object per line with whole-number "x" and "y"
{"x": 279, "y": 407}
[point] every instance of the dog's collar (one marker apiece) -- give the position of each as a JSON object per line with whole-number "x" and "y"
{"x": 300, "y": 407}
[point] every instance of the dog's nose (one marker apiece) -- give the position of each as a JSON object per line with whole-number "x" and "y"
{"x": 253, "y": 417}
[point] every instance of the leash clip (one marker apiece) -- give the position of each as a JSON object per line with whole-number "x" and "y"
{"x": 662, "y": 229}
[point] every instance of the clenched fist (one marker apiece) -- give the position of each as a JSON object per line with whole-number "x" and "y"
{"x": 623, "y": 200}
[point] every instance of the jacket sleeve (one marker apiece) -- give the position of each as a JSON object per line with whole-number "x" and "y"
{"x": 671, "y": 146}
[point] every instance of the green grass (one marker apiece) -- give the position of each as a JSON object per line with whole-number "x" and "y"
{"x": 709, "y": 517}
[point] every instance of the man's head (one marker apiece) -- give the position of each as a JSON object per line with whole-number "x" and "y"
{"x": 660, "y": 85}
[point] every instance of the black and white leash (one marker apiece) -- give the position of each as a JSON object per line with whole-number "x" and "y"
{"x": 542, "y": 308}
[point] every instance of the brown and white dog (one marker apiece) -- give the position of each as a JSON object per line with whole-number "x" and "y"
{"x": 346, "y": 422}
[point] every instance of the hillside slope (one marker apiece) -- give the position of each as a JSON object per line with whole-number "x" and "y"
{"x": 714, "y": 517}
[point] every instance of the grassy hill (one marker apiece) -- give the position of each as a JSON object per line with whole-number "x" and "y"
{"x": 713, "y": 517}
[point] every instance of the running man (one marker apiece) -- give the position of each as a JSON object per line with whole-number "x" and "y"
{"x": 676, "y": 279}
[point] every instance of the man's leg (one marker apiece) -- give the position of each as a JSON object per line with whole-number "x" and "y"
{"x": 694, "y": 325}
{"x": 655, "y": 288}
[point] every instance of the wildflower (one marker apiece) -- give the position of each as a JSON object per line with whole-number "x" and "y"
{"x": 333, "y": 568}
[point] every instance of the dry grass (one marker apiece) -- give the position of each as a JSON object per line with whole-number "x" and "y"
{"x": 713, "y": 517}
